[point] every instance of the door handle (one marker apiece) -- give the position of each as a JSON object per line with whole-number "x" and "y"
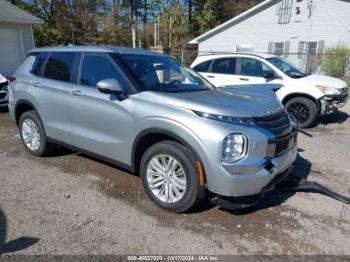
{"x": 36, "y": 84}
{"x": 244, "y": 79}
{"x": 211, "y": 76}
{"x": 76, "y": 93}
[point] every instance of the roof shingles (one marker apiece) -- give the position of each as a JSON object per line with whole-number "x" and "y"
{"x": 11, "y": 13}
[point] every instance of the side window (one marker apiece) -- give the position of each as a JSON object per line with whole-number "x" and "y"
{"x": 59, "y": 66}
{"x": 224, "y": 66}
{"x": 252, "y": 67}
{"x": 267, "y": 69}
{"x": 97, "y": 67}
{"x": 38, "y": 63}
{"x": 202, "y": 67}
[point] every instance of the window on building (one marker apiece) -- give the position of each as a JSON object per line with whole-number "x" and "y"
{"x": 312, "y": 48}
{"x": 278, "y": 48}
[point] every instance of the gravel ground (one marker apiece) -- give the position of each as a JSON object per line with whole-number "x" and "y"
{"x": 74, "y": 205}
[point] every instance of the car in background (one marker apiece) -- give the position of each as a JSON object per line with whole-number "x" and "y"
{"x": 305, "y": 96}
{"x": 141, "y": 110}
{"x": 3, "y": 92}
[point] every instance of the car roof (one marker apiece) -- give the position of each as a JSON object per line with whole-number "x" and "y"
{"x": 210, "y": 56}
{"x": 91, "y": 48}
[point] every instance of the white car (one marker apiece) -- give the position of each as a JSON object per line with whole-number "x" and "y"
{"x": 305, "y": 96}
{"x": 3, "y": 92}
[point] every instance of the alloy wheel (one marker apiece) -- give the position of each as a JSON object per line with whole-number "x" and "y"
{"x": 30, "y": 134}
{"x": 166, "y": 178}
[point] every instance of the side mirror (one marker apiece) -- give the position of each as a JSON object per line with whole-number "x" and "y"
{"x": 271, "y": 75}
{"x": 110, "y": 86}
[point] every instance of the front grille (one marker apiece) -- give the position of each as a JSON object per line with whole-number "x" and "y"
{"x": 284, "y": 144}
{"x": 277, "y": 123}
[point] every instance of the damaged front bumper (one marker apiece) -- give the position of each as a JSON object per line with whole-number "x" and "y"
{"x": 331, "y": 103}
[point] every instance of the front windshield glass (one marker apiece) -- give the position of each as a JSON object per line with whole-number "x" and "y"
{"x": 286, "y": 67}
{"x": 163, "y": 74}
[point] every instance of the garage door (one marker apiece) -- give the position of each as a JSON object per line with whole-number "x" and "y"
{"x": 11, "y": 54}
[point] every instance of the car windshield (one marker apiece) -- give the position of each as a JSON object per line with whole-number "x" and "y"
{"x": 163, "y": 74}
{"x": 286, "y": 67}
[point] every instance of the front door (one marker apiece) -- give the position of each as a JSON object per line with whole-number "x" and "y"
{"x": 101, "y": 124}
{"x": 252, "y": 71}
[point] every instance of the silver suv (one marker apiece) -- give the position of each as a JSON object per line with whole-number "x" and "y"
{"x": 142, "y": 111}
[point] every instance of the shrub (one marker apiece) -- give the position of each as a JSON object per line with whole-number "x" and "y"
{"x": 335, "y": 61}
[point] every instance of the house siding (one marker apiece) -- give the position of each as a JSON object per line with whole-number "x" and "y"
{"x": 329, "y": 25}
{"x": 26, "y": 36}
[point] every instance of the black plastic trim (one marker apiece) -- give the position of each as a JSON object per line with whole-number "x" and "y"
{"x": 94, "y": 155}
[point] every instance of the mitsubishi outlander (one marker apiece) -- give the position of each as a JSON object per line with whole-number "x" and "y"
{"x": 144, "y": 112}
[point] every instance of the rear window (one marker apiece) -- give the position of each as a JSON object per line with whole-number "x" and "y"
{"x": 38, "y": 63}
{"x": 202, "y": 67}
{"x": 59, "y": 66}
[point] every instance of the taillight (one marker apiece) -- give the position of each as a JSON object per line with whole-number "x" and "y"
{"x": 10, "y": 79}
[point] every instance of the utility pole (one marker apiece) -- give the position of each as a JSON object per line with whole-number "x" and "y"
{"x": 158, "y": 39}
{"x": 170, "y": 29}
{"x": 155, "y": 34}
{"x": 133, "y": 35}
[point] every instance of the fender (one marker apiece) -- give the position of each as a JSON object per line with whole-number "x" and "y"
{"x": 306, "y": 95}
{"x": 158, "y": 131}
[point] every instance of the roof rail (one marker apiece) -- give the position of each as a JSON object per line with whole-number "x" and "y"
{"x": 230, "y": 53}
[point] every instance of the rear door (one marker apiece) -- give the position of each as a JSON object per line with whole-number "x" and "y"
{"x": 101, "y": 124}
{"x": 50, "y": 89}
{"x": 222, "y": 72}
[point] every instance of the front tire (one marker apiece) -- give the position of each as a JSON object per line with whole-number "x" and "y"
{"x": 303, "y": 109}
{"x": 33, "y": 135}
{"x": 169, "y": 176}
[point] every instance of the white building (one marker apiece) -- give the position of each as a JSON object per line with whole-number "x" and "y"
{"x": 299, "y": 30}
{"x": 16, "y": 36}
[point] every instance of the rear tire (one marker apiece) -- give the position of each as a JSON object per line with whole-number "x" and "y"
{"x": 303, "y": 109}
{"x": 169, "y": 176}
{"x": 33, "y": 135}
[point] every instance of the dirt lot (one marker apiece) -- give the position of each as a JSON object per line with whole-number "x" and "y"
{"x": 108, "y": 213}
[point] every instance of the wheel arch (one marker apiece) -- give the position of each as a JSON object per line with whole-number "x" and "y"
{"x": 151, "y": 136}
{"x": 294, "y": 95}
{"x": 21, "y": 107}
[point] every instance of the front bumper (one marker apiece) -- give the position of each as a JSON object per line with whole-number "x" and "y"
{"x": 330, "y": 104}
{"x": 237, "y": 181}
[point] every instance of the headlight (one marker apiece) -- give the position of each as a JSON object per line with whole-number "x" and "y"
{"x": 328, "y": 90}
{"x": 230, "y": 119}
{"x": 6, "y": 89}
{"x": 234, "y": 148}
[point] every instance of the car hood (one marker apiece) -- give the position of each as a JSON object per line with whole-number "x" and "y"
{"x": 324, "y": 80}
{"x": 247, "y": 101}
